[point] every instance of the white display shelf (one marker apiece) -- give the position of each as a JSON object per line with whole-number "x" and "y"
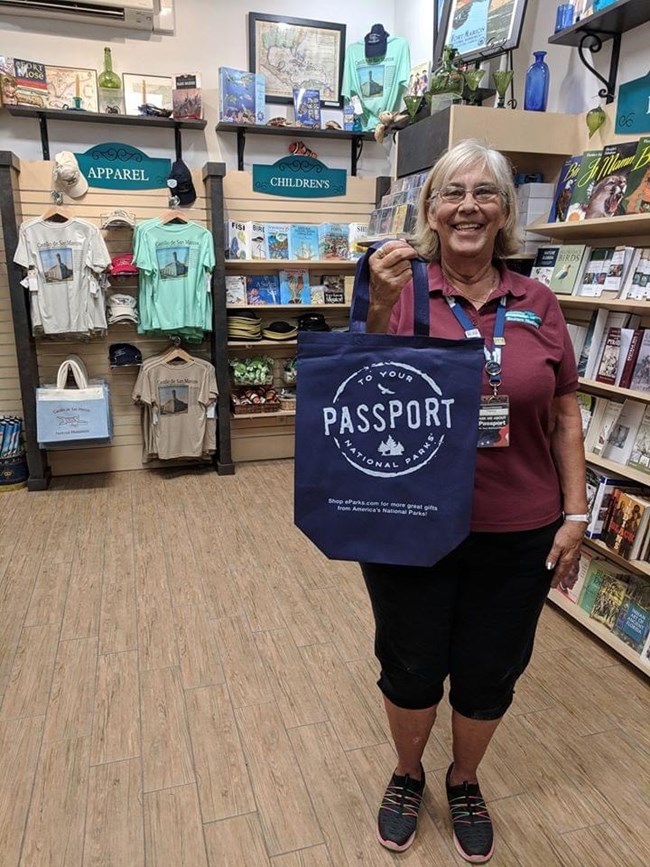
{"x": 638, "y": 567}
{"x": 613, "y": 391}
{"x": 598, "y": 630}
{"x": 281, "y": 264}
{"x": 262, "y": 415}
{"x": 628, "y": 226}
{"x": 626, "y": 305}
{"x": 618, "y": 469}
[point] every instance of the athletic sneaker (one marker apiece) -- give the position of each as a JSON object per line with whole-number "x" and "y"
{"x": 473, "y": 834}
{"x": 398, "y": 814}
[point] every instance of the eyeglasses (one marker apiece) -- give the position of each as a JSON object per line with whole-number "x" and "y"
{"x": 482, "y": 195}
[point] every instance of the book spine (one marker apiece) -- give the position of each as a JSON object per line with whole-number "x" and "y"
{"x": 630, "y": 360}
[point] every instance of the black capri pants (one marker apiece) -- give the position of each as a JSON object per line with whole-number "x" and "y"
{"x": 471, "y": 617}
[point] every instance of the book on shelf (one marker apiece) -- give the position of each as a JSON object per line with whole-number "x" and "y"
{"x": 563, "y": 189}
{"x": 630, "y": 358}
{"x": 262, "y": 289}
{"x": 644, "y": 656}
{"x": 238, "y": 240}
{"x": 303, "y": 242}
{"x": 568, "y": 269}
{"x": 294, "y": 286}
{"x": 627, "y": 338}
{"x": 333, "y": 241}
{"x": 609, "y": 599}
{"x": 599, "y": 571}
{"x": 242, "y": 96}
{"x": 600, "y": 488}
{"x": 639, "y": 458}
{"x": 186, "y": 96}
{"x": 626, "y": 523}
{"x": 258, "y": 240}
{"x": 306, "y": 107}
{"x": 235, "y": 290}
{"x": 635, "y": 285}
{"x": 641, "y": 374}
{"x": 610, "y": 180}
{"x": 587, "y": 405}
{"x": 578, "y": 334}
{"x": 317, "y": 294}
{"x": 31, "y": 83}
{"x": 544, "y": 263}
{"x": 277, "y": 240}
{"x": 583, "y": 185}
{"x": 357, "y": 232}
{"x": 605, "y": 417}
{"x": 572, "y": 584}
{"x": 623, "y": 433}
{"x": 385, "y": 221}
{"x": 606, "y": 371}
{"x": 605, "y": 319}
{"x": 595, "y": 326}
{"x": 637, "y": 193}
{"x": 632, "y": 624}
{"x": 596, "y": 271}
{"x": 333, "y": 286}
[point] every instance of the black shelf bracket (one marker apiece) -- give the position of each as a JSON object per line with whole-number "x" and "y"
{"x": 355, "y": 154}
{"x": 178, "y": 142}
{"x": 592, "y": 42}
{"x": 241, "y": 147}
{"x": 45, "y": 139}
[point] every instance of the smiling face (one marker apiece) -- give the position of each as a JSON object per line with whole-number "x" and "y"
{"x": 467, "y": 231}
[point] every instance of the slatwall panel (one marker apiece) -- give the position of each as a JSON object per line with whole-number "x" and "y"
{"x": 126, "y": 451}
{"x": 265, "y": 437}
{"x": 10, "y": 402}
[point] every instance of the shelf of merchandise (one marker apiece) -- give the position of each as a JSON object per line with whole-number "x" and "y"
{"x": 628, "y": 226}
{"x": 253, "y": 344}
{"x": 356, "y": 139}
{"x": 295, "y": 307}
{"x": 598, "y": 629}
{"x": 627, "y": 305}
{"x": 618, "y": 469}
{"x": 612, "y": 391}
{"x": 281, "y": 264}
{"x": 260, "y": 416}
{"x": 45, "y": 114}
{"x": 638, "y": 567}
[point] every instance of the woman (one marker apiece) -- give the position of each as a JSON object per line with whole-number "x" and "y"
{"x": 472, "y": 616}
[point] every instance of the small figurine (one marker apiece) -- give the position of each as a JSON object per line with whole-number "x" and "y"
{"x": 300, "y": 149}
{"x": 390, "y": 120}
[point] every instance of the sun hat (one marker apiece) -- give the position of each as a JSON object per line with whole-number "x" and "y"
{"x": 67, "y": 177}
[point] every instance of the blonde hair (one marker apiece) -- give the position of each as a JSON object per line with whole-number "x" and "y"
{"x": 469, "y": 153}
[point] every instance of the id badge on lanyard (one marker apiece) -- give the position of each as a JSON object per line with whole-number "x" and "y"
{"x": 494, "y": 414}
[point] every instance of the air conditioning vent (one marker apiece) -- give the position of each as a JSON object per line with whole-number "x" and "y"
{"x": 135, "y": 14}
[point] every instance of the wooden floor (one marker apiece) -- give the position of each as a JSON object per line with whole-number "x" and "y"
{"x": 186, "y": 682}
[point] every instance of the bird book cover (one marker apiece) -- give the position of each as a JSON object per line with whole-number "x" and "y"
{"x": 609, "y": 183}
{"x": 563, "y": 189}
{"x": 583, "y": 185}
{"x": 544, "y": 263}
{"x": 568, "y": 268}
{"x": 637, "y": 194}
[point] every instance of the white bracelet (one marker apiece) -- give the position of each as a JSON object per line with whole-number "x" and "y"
{"x": 580, "y": 518}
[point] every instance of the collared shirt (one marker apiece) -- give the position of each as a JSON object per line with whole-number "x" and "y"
{"x": 516, "y": 488}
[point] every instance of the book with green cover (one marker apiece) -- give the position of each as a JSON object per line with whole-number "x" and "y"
{"x": 568, "y": 269}
{"x": 609, "y": 599}
{"x": 610, "y": 180}
{"x": 583, "y": 185}
{"x": 637, "y": 194}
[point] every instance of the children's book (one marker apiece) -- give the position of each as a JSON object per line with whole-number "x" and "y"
{"x": 563, "y": 189}
{"x": 306, "y": 104}
{"x": 258, "y": 240}
{"x": 357, "y": 232}
{"x": 235, "y": 291}
{"x": 303, "y": 242}
{"x": 277, "y": 240}
{"x": 262, "y": 289}
{"x": 238, "y": 240}
{"x": 333, "y": 241}
{"x": 568, "y": 268}
{"x": 583, "y": 185}
{"x": 186, "y": 96}
{"x": 637, "y": 194}
{"x": 610, "y": 180}
{"x": 241, "y": 96}
{"x": 294, "y": 287}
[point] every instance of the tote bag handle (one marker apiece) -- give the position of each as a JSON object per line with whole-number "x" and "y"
{"x": 361, "y": 299}
{"x": 75, "y": 365}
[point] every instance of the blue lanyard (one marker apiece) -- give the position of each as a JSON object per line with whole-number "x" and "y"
{"x": 493, "y": 355}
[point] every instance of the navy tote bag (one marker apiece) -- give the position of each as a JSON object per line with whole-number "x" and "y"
{"x": 386, "y": 434}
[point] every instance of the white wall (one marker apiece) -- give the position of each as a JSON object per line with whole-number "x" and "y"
{"x": 415, "y": 23}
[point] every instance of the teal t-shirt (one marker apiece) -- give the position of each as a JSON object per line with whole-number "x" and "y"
{"x": 379, "y": 83}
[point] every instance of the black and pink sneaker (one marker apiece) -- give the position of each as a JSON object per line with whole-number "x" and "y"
{"x": 398, "y": 815}
{"x": 473, "y": 833}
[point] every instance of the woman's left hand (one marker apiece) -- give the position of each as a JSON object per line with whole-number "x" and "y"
{"x": 564, "y": 556}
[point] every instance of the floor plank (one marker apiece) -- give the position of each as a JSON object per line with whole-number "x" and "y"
{"x": 116, "y": 717}
{"x": 166, "y": 748}
{"x": 173, "y": 832}
{"x": 20, "y": 742}
{"x": 114, "y": 824}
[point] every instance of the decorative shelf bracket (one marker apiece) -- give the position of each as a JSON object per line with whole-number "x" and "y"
{"x": 591, "y": 41}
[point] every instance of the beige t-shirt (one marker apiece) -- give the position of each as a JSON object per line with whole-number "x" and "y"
{"x": 179, "y": 395}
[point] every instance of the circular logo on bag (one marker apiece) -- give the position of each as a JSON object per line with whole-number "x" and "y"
{"x": 388, "y": 419}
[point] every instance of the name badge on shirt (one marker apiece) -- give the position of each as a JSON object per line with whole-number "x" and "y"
{"x": 494, "y": 422}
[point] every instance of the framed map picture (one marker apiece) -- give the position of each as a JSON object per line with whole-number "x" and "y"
{"x": 66, "y": 82}
{"x": 297, "y": 52}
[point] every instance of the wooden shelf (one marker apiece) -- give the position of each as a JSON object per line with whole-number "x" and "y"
{"x": 618, "y": 469}
{"x": 615, "y": 19}
{"x": 628, "y": 226}
{"x": 281, "y": 264}
{"x": 99, "y": 117}
{"x": 598, "y": 629}
{"x": 638, "y": 567}
{"x": 296, "y": 307}
{"x": 262, "y": 415}
{"x": 626, "y": 305}
{"x": 251, "y": 344}
{"x": 613, "y": 391}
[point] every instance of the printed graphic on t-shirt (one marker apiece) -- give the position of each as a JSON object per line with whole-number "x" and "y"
{"x": 172, "y": 261}
{"x": 371, "y": 80}
{"x": 173, "y": 399}
{"x": 57, "y": 264}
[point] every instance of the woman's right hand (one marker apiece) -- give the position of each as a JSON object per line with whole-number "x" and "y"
{"x": 390, "y": 270}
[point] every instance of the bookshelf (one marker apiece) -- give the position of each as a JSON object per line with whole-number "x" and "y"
{"x": 617, "y": 228}
{"x": 616, "y": 469}
{"x": 613, "y": 391}
{"x": 638, "y": 567}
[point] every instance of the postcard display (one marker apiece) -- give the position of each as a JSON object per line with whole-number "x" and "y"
{"x": 126, "y": 449}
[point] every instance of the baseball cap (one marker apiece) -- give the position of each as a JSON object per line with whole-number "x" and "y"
{"x": 376, "y": 41}
{"x": 117, "y": 218}
{"x": 123, "y": 354}
{"x": 67, "y": 177}
{"x": 180, "y": 183}
{"x": 122, "y": 264}
{"x": 121, "y": 308}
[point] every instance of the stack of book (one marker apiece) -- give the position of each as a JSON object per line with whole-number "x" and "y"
{"x": 611, "y": 348}
{"x": 618, "y": 431}
{"x": 289, "y": 286}
{"x": 294, "y": 241}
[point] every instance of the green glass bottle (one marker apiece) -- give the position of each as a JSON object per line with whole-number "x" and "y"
{"x": 110, "y": 87}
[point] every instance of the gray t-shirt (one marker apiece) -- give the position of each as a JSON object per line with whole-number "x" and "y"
{"x": 63, "y": 261}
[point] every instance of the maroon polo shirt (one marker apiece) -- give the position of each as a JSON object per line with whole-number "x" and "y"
{"x": 516, "y": 488}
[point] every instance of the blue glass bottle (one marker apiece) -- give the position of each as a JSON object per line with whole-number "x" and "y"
{"x": 537, "y": 82}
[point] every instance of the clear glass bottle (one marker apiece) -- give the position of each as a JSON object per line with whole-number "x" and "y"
{"x": 110, "y": 87}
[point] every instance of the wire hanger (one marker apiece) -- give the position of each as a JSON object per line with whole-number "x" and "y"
{"x": 176, "y": 352}
{"x": 173, "y": 215}
{"x": 56, "y": 213}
